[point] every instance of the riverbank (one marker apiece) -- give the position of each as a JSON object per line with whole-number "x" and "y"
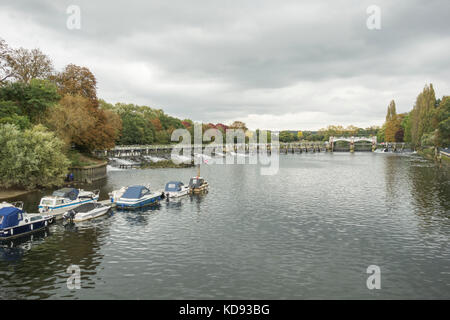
{"x": 165, "y": 164}
{"x": 429, "y": 153}
{"x": 12, "y": 193}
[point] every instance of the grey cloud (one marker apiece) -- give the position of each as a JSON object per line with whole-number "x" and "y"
{"x": 255, "y": 54}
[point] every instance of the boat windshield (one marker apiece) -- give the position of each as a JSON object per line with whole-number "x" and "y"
{"x": 47, "y": 202}
{"x": 1, "y": 219}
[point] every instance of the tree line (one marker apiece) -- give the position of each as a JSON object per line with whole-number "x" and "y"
{"x": 427, "y": 124}
{"x": 59, "y": 111}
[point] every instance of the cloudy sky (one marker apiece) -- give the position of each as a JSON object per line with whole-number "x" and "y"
{"x": 272, "y": 64}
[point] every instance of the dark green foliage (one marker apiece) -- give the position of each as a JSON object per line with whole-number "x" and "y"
{"x": 33, "y": 99}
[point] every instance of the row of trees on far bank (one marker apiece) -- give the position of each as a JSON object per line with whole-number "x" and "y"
{"x": 61, "y": 109}
{"x": 427, "y": 124}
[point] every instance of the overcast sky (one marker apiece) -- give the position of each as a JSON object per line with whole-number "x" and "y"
{"x": 272, "y": 64}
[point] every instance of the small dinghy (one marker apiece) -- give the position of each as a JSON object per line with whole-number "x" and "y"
{"x": 133, "y": 197}
{"x": 86, "y": 211}
{"x": 14, "y": 222}
{"x": 67, "y": 198}
{"x": 175, "y": 189}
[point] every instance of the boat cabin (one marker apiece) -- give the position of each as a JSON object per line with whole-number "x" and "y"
{"x": 196, "y": 182}
{"x": 67, "y": 193}
{"x": 173, "y": 186}
{"x": 135, "y": 192}
{"x": 10, "y": 217}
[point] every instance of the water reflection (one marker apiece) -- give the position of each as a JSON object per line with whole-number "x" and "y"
{"x": 14, "y": 249}
{"x": 430, "y": 188}
{"x": 253, "y": 236}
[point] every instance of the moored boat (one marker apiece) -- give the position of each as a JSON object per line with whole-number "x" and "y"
{"x": 67, "y": 198}
{"x": 14, "y": 222}
{"x": 175, "y": 189}
{"x": 86, "y": 211}
{"x": 198, "y": 185}
{"x": 135, "y": 197}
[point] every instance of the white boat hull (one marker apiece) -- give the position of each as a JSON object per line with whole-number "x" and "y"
{"x": 177, "y": 194}
{"x": 83, "y": 216}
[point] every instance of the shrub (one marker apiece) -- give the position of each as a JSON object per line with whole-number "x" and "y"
{"x": 31, "y": 158}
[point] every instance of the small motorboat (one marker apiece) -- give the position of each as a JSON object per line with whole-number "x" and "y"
{"x": 175, "y": 189}
{"x": 67, "y": 198}
{"x": 14, "y": 222}
{"x": 86, "y": 211}
{"x": 198, "y": 185}
{"x": 135, "y": 197}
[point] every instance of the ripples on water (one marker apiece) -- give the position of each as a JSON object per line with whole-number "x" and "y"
{"x": 308, "y": 232}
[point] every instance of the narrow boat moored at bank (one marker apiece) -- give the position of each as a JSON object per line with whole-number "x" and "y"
{"x": 133, "y": 197}
{"x": 175, "y": 189}
{"x": 86, "y": 211}
{"x": 67, "y": 198}
{"x": 14, "y": 222}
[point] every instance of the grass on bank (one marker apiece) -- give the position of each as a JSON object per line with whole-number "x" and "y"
{"x": 78, "y": 159}
{"x": 165, "y": 164}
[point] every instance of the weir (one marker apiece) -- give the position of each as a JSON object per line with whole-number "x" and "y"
{"x": 282, "y": 148}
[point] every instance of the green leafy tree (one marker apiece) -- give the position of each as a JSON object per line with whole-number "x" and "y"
{"x": 406, "y": 125}
{"x": 33, "y": 99}
{"x": 135, "y": 129}
{"x": 10, "y": 113}
{"x": 441, "y": 122}
{"x": 422, "y": 115}
{"x": 31, "y": 158}
{"x": 286, "y": 136}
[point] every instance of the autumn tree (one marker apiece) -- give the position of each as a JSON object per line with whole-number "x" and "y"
{"x": 76, "y": 80}
{"x": 76, "y": 122}
{"x": 238, "y": 125}
{"x": 5, "y": 68}
{"x": 26, "y": 64}
{"x": 393, "y": 124}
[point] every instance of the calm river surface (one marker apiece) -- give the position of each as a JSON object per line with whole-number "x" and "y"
{"x": 308, "y": 232}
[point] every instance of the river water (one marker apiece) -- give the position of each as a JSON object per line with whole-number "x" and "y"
{"x": 310, "y": 231}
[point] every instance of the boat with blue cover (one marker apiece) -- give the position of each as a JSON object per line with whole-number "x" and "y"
{"x": 135, "y": 197}
{"x": 175, "y": 189}
{"x": 14, "y": 222}
{"x": 65, "y": 199}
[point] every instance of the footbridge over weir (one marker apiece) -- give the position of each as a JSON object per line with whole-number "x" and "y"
{"x": 293, "y": 147}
